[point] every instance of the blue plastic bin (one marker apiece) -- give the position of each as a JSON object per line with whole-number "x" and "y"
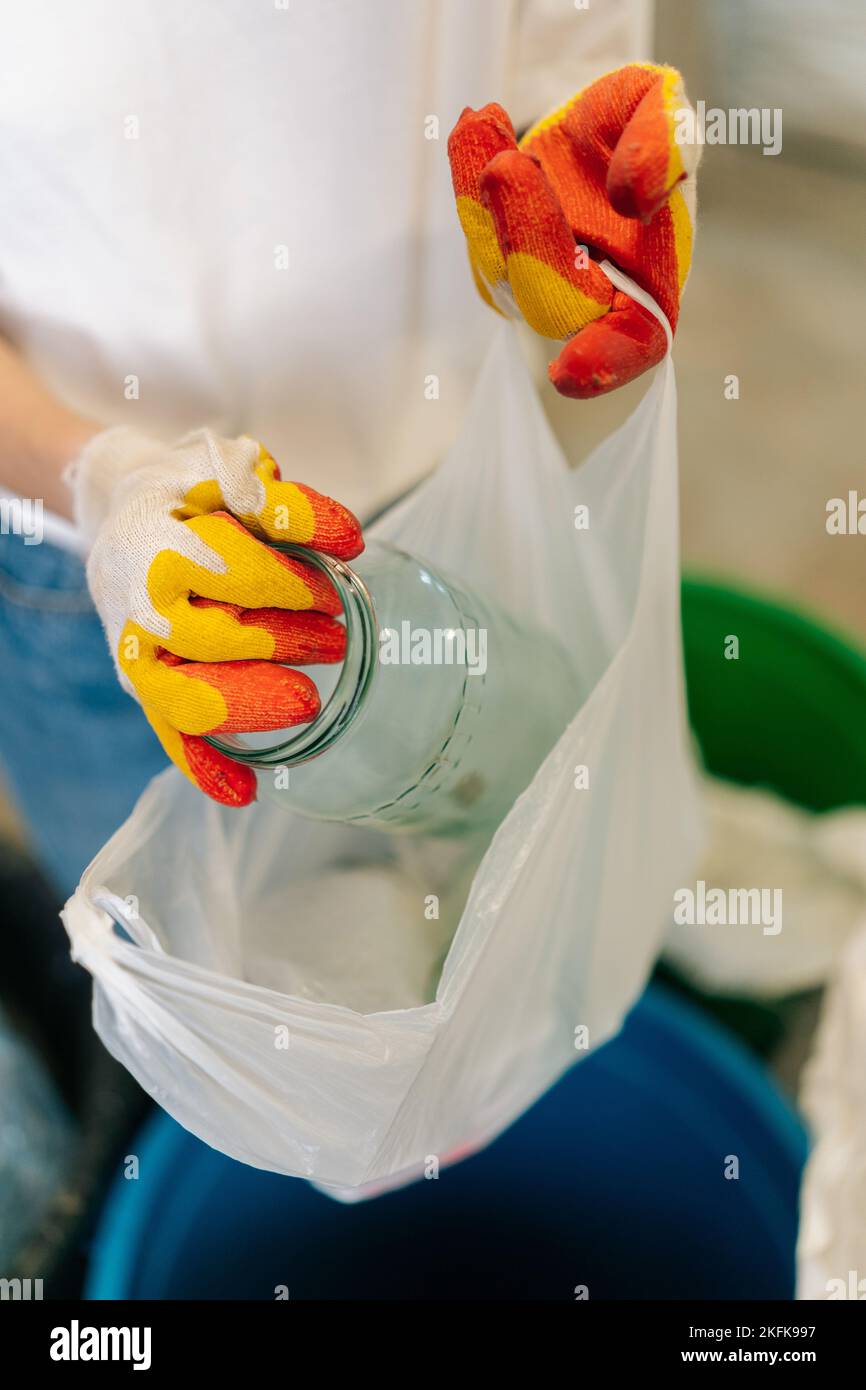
{"x": 614, "y": 1180}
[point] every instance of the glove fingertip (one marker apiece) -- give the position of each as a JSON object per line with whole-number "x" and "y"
{"x": 337, "y": 531}
{"x": 608, "y": 353}
{"x": 227, "y": 782}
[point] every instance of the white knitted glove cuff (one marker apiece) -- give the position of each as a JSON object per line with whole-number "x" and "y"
{"x": 95, "y": 476}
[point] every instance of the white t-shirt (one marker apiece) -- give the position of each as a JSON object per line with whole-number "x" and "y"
{"x": 238, "y": 212}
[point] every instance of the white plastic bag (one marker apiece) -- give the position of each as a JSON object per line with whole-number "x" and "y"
{"x": 564, "y": 917}
{"x": 831, "y": 1248}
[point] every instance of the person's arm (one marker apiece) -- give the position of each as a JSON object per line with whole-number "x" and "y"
{"x": 39, "y": 435}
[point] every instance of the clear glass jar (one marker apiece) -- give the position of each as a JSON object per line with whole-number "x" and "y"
{"x": 438, "y": 717}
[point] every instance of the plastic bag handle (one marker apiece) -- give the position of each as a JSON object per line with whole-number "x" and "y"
{"x": 115, "y": 908}
{"x": 628, "y": 286}
{"x": 507, "y": 305}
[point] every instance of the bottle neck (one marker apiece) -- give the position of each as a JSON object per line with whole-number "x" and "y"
{"x": 347, "y": 698}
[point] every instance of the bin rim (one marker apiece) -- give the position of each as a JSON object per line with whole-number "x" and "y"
{"x": 844, "y": 648}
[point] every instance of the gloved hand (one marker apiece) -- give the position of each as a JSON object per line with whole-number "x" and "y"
{"x": 605, "y": 172}
{"x": 197, "y": 610}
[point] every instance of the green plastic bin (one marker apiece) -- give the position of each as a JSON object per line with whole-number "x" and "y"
{"x": 790, "y": 712}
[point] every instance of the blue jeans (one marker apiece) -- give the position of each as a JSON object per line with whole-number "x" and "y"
{"x": 75, "y": 749}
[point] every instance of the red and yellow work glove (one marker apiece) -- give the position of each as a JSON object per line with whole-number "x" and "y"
{"x": 611, "y": 174}
{"x": 200, "y": 614}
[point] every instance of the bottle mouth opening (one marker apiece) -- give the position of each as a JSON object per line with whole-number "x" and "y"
{"x": 307, "y": 741}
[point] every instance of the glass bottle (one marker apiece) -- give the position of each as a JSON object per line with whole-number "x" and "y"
{"x": 438, "y": 717}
